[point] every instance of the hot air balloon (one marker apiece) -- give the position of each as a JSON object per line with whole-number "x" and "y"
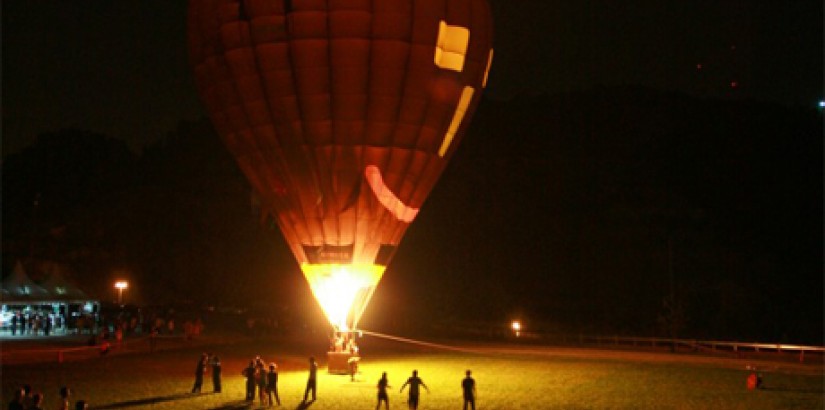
{"x": 342, "y": 114}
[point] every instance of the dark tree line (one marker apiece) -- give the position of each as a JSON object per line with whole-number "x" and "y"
{"x": 175, "y": 220}
{"x": 620, "y": 210}
{"x": 629, "y": 211}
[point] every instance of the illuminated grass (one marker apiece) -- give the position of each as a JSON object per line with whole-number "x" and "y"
{"x": 547, "y": 379}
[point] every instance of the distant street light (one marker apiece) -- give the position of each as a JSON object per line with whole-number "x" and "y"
{"x": 516, "y": 328}
{"x": 120, "y": 285}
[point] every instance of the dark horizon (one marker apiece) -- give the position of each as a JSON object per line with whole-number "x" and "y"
{"x": 582, "y": 232}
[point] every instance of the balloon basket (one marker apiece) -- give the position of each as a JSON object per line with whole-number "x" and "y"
{"x": 340, "y": 362}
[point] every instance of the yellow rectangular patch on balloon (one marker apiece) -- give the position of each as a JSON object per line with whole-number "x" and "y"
{"x": 460, "y": 111}
{"x": 451, "y": 46}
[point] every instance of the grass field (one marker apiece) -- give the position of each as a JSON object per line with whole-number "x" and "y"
{"x": 508, "y": 377}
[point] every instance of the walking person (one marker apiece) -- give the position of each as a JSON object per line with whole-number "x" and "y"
{"x": 383, "y": 385}
{"x": 414, "y": 382}
{"x": 312, "y": 380}
{"x": 272, "y": 384}
{"x": 200, "y": 369}
{"x": 216, "y": 374}
{"x": 468, "y": 385}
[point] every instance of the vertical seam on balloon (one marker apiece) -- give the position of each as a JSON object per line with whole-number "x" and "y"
{"x": 363, "y": 139}
{"x": 394, "y": 134}
{"x": 418, "y": 183}
{"x": 304, "y": 158}
{"x": 399, "y": 108}
{"x": 281, "y": 169}
{"x": 332, "y": 178}
{"x": 251, "y": 141}
{"x": 374, "y": 235}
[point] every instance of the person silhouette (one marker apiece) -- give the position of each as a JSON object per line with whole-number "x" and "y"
{"x": 216, "y": 374}
{"x": 272, "y": 384}
{"x": 16, "y": 402}
{"x": 312, "y": 380}
{"x": 414, "y": 382}
{"x": 468, "y": 385}
{"x": 249, "y": 374}
{"x": 200, "y": 369}
{"x": 383, "y": 385}
{"x": 65, "y": 392}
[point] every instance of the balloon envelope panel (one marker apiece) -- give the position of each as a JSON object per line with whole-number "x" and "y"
{"x": 341, "y": 113}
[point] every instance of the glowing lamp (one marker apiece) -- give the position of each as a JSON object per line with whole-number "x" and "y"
{"x": 120, "y": 286}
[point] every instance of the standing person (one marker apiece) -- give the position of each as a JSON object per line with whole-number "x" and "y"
{"x": 47, "y": 324}
{"x": 16, "y": 402}
{"x": 260, "y": 377}
{"x": 216, "y": 374}
{"x": 14, "y": 324}
{"x": 200, "y": 369}
{"x": 249, "y": 373}
{"x": 312, "y": 381}
{"x": 37, "y": 402}
{"x": 352, "y": 365}
{"x": 383, "y": 385}
{"x": 414, "y": 382}
{"x": 272, "y": 384}
{"x": 65, "y": 392}
{"x": 468, "y": 385}
{"x": 28, "y": 397}
{"x": 153, "y": 338}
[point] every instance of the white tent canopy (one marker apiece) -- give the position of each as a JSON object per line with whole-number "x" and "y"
{"x": 19, "y": 287}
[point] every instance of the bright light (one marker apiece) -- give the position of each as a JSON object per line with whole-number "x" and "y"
{"x": 516, "y": 326}
{"x": 120, "y": 285}
{"x": 822, "y": 104}
{"x": 343, "y": 291}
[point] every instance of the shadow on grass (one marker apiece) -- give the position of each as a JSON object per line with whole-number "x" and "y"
{"x": 305, "y": 405}
{"x": 792, "y": 390}
{"x": 150, "y": 400}
{"x": 235, "y": 405}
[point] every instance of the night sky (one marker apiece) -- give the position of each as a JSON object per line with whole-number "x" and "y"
{"x": 120, "y": 67}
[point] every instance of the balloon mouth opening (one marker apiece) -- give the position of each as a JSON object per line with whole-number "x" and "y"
{"x": 343, "y": 290}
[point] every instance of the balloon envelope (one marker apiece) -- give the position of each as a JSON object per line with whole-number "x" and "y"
{"x": 342, "y": 114}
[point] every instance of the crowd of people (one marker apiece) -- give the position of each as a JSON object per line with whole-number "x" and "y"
{"x": 262, "y": 383}
{"x": 36, "y": 323}
{"x": 25, "y": 398}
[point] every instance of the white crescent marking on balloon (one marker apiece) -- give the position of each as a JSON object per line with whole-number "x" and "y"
{"x": 401, "y": 211}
